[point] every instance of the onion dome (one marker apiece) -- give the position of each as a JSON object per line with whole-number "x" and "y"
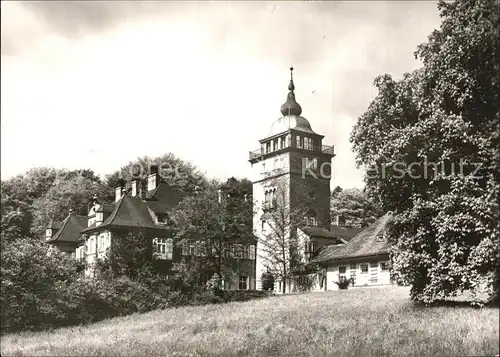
{"x": 291, "y": 107}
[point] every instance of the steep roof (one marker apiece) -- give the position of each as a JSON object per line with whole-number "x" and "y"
{"x": 364, "y": 244}
{"x": 70, "y": 229}
{"x": 163, "y": 198}
{"x": 129, "y": 212}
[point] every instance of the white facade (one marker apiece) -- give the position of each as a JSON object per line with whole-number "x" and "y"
{"x": 365, "y": 273}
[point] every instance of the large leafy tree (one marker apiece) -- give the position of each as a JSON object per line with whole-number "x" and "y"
{"x": 31, "y": 200}
{"x": 74, "y": 190}
{"x": 180, "y": 174}
{"x": 215, "y": 222}
{"x": 354, "y": 206}
{"x": 430, "y": 142}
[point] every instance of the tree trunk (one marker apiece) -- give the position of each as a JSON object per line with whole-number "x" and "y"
{"x": 284, "y": 278}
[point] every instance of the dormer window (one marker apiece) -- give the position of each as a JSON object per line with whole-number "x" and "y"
{"x": 380, "y": 238}
{"x": 99, "y": 217}
{"x": 48, "y": 234}
{"x": 268, "y": 147}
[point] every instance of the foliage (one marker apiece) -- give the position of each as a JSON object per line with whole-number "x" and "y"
{"x": 30, "y": 271}
{"x": 215, "y": 225}
{"x": 422, "y": 139}
{"x": 73, "y": 190}
{"x": 128, "y": 255}
{"x": 355, "y": 207}
{"x": 343, "y": 282}
{"x": 178, "y": 173}
{"x": 31, "y": 200}
{"x": 267, "y": 281}
{"x": 305, "y": 282}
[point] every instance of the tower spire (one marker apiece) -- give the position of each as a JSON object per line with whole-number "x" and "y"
{"x": 291, "y": 107}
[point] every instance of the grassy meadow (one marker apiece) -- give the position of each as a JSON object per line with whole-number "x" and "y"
{"x": 359, "y": 322}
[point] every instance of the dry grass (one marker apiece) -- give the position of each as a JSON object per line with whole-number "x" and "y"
{"x": 362, "y": 322}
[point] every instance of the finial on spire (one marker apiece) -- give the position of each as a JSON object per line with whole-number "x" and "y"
{"x": 291, "y": 107}
{"x": 291, "y": 87}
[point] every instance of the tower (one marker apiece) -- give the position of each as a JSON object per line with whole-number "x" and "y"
{"x": 291, "y": 171}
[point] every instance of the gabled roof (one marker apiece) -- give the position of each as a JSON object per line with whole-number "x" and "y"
{"x": 362, "y": 245}
{"x": 129, "y": 212}
{"x": 163, "y": 198}
{"x": 70, "y": 229}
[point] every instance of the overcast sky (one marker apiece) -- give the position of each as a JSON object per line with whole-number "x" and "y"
{"x": 96, "y": 84}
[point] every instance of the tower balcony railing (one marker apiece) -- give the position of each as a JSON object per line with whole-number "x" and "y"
{"x": 325, "y": 149}
{"x": 255, "y": 154}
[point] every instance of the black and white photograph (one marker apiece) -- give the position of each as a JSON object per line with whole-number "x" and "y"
{"x": 250, "y": 178}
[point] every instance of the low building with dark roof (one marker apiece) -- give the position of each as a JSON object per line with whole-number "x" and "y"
{"x": 364, "y": 258}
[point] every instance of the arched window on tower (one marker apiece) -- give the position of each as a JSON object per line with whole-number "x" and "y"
{"x": 311, "y": 218}
{"x": 298, "y": 142}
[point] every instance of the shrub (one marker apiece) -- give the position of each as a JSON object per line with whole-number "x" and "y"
{"x": 343, "y": 282}
{"x": 245, "y": 295}
{"x": 30, "y": 272}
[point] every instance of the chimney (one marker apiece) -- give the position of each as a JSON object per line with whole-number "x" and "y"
{"x": 136, "y": 189}
{"x": 153, "y": 177}
{"x": 119, "y": 189}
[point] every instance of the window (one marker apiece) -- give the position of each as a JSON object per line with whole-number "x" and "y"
{"x": 276, "y": 147}
{"x": 246, "y": 251}
{"x": 160, "y": 247}
{"x": 384, "y": 266}
{"x": 191, "y": 247}
{"x": 238, "y": 250}
{"x": 243, "y": 283}
{"x": 298, "y": 142}
{"x": 263, "y": 226}
{"x": 99, "y": 217}
{"x": 342, "y": 270}
{"x": 364, "y": 268}
{"x": 102, "y": 242}
{"x": 252, "y": 252}
{"x": 91, "y": 248}
{"x": 313, "y": 246}
{"x": 311, "y": 195}
{"x": 306, "y": 143}
{"x": 268, "y": 147}
{"x": 308, "y": 163}
{"x": 48, "y": 233}
{"x": 380, "y": 238}
{"x": 352, "y": 267}
{"x": 312, "y": 221}
{"x": 282, "y": 142}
